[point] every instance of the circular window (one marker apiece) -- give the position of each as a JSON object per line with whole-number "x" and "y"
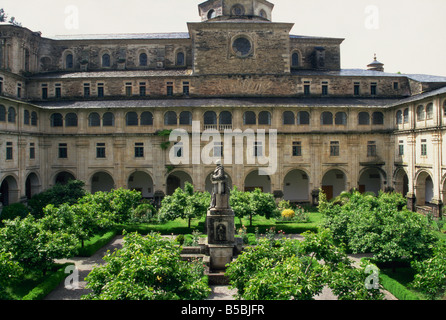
{"x": 238, "y": 10}
{"x": 242, "y": 46}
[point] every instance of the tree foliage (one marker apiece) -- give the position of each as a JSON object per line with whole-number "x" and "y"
{"x": 147, "y": 268}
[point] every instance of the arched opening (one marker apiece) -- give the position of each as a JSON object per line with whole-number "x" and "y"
{"x": 333, "y": 183}
{"x": 401, "y": 183}
{"x": 9, "y": 191}
{"x": 265, "y": 118}
{"x": 296, "y": 186}
{"x": 177, "y": 180}
{"x": 209, "y": 186}
{"x": 326, "y": 118}
{"x": 170, "y": 118}
{"x": 249, "y": 118}
{"x": 142, "y": 182}
{"x": 288, "y": 118}
{"x": 370, "y": 181}
{"x": 102, "y": 181}
{"x": 424, "y": 189}
{"x": 256, "y": 181}
{"x": 63, "y": 178}
{"x": 32, "y": 185}
{"x": 143, "y": 60}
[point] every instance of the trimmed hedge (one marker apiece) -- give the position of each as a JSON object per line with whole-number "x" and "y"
{"x": 96, "y": 243}
{"x": 51, "y": 283}
{"x": 396, "y": 288}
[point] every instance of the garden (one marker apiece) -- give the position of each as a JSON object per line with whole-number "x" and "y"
{"x": 409, "y": 250}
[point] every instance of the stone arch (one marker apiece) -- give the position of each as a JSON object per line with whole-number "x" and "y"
{"x": 9, "y": 190}
{"x": 253, "y": 180}
{"x": 334, "y": 182}
{"x": 424, "y": 188}
{"x": 401, "y": 181}
{"x": 62, "y": 177}
{"x": 177, "y": 179}
{"x": 102, "y": 181}
{"x": 371, "y": 179}
{"x": 32, "y": 185}
{"x": 296, "y": 186}
{"x": 141, "y": 181}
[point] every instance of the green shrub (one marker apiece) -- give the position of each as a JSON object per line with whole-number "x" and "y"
{"x": 397, "y": 289}
{"x": 13, "y": 211}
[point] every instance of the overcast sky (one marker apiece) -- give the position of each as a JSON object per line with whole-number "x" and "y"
{"x": 408, "y": 36}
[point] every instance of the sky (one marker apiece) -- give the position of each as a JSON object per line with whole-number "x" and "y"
{"x": 406, "y": 35}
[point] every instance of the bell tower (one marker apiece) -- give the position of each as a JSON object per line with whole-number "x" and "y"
{"x": 213, "y": 10}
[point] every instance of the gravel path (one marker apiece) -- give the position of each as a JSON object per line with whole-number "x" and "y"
{"x": 85, "y": 265}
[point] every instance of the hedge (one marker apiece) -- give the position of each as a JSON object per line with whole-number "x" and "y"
{"x": 96, "y": 243}
{"x": 396, "y": 288}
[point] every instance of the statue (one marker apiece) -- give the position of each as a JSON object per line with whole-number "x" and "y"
{"x": 219, "y": 181}
{"x": 221, "y": 232}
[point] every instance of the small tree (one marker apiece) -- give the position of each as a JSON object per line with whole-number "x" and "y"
{"x": 262, "y": 204}
{"x": 240, "y": 203}
{"x": 10, "y": 271}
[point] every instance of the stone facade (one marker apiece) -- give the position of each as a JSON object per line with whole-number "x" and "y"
{"x": 91, "y": 108}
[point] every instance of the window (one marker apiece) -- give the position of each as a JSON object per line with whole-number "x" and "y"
{"x": 170, "y": 118}
{"x": 357, "y": 89}
{"x": 186, "y": 118}
{"x": 326, "y": 118}
{"x": 341, "y": 118}
{"x": 56, "y": 120}
{"x": 69, "y": 61}
{"x": 32, "y": 151}
{"x": 132, "y": 119}
{"x": 108, "y": 119}
{"x": 307, "y": 89}
{"x": 44, "y": 91}
{"x": 444, "y": 109}
{"x": 139, "y": 150}
{"x": 289, "y": 118}
{"x": 297, "y": 149}
{"x": 378, "y": 118}
{"x": 186, "y": 88}
{"x": 399, "y": 117}
{"x": 11, "y": 115}
{"x": 143, "y": 60}
{"x": 26, "y": 117}
{"x": 9, "y": 151}
{"x": 106, "y": 63}
{"x": 265, "y": 118}
{"x": 237, "y": 10}
{"x": 401, "y": 148}
{"x": 180, "y": 59}
{"x": 371, "y": 149}
{"x": 258, "y": 149}
{"x": 178, "y": 150}
{"x": 1, "y": 81}
{"x": 303, "y": 118}
{"x": 225, "y": 118}
{"x": 94, "y": 120}
{"x": 101, "y": 90}
{"x": 373, "y": 89}
{"x": 100, "y": 150}
{"x": 420, "y": 113}
{"x": 128, "y": 89}
{"x": 146, "y": 119}
{"x": 19, "y": 90}
{"x": 429, "y": 111}
{"x": 295, "y": 60}
{"x": 324, "y": 88}
{"x": 142, "y": 89}
{"x": 396, "y": 85}
{"x": 71, "y": 120}
{"x": 212, "y": 14}
{"x": 363, "y": 118}
{"x": 2, "y": 113}
{"x": 334, "y": 148}
{"x": 58, "y": 90}
{"x": 218, "y": 149}
{"x": 86, "y": 90}
{"x": 63, "y": 151}
{"x": 249, "y": 118}
{"x": 169, "y": 89}
{"x": 210, "y": 118}
{"x": 424, "y": 147}
{"x": 34, "y": 118}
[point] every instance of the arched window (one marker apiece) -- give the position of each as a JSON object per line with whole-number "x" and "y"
{"x": 341, "y": 118}
{"x": 170, "y": 118}
{"x": 56, "y": 120}
{"x": 131, "y": 119}
{"x": 303, "y": 118}
{"x": 444, "y": 108}
{"x": 225, "y": 118}
{"x": 71, "y": 120}
{"x": 363, "y": 118}
{"x": 210, "y": 118}
{"x": 143, "y": 59}
{"x": 420, "y": 113}
{"x": 326, "y": 118}
{"x": 106, "y": 61}
{"x": 69, "y": 61}
{"x": 186, "y": 118}
{"x": 2, "y": 113}
{"x": 34, "y": 118}
{"x": 180, "y": 59}
{"x": 249, "y": 118}
{"x": 399, "y": 117}
{"x": 378, "y": 118}
{"x": 11, "y": 115}
{"x": 94, "y": 120}
{"x": 429, "y": 111}
{"x": 26, "y": 117}
{"x": 406, "y": 115}
{"x": 211, "y": 14}
{"x": 295, "y": 60}
{"x": 147, "y": 119}
{"x": 108, "y": 119}
{"x": 265, "y": 118}
{"x": 288, "y": 118}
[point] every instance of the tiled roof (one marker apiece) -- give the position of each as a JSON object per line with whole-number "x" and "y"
{"x": 124, "y": 36}
{"x": 115, "y": 74}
